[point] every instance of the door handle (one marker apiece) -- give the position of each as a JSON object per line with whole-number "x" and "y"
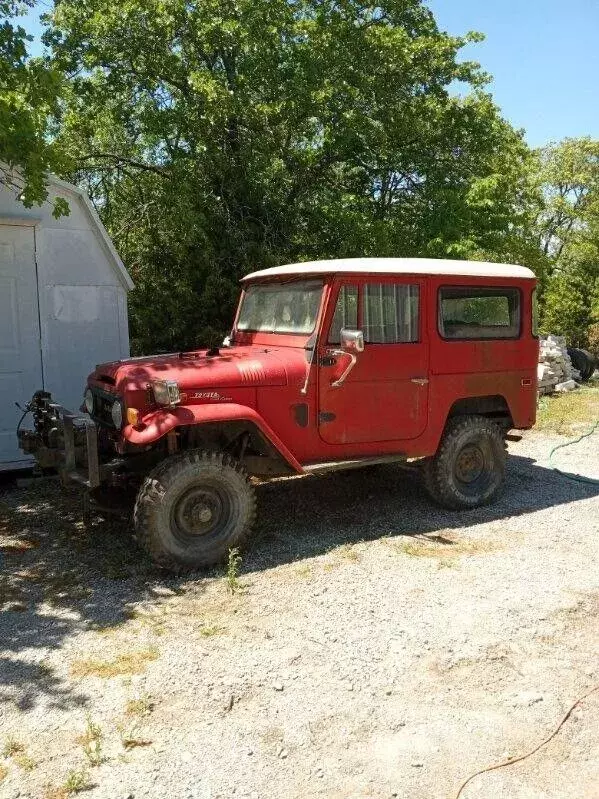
{"x": 420, "y": 381}
{"x": 353, "y": 360}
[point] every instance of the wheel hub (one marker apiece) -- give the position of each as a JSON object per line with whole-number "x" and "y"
{"x": 198, "y": 511}
{"x": 470, "y": 464}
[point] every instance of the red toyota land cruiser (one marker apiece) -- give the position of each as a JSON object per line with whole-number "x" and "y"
{"x": 329, "y": 365}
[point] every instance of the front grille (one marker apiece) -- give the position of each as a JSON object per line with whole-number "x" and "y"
{"x": 103, "y": 407}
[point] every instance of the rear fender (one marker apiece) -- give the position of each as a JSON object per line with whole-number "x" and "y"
{"x": 158, "y": 424}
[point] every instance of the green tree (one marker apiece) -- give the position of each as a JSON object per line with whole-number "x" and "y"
{"x": 567, "y": 306}
{"x": 568, "y": 175}
{"x": 221, "y": 136}
{"x": 567, "y": 232}
{"x": 28, "y": 103}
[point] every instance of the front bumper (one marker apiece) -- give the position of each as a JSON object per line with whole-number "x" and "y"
{"x": 68, "y": 442}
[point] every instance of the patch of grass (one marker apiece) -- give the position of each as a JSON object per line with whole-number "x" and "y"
{"x": 154, "y": 620}
{"x": 232, "y": 575}
{"x": 24, "y": 762}
{"x": 127, "y": 663}
{"x": 566, "y": 414}
{"x": 12, "y": 746}
{"x": 209, "y": 630}
{"x": 91, "y": 741}
{"x": 76, "y": 781}
{"x": 445, "y": 547}
{"x": 348, "y": 552}
{"x": 142, "y": 706}
{"x": 304, "y": 571}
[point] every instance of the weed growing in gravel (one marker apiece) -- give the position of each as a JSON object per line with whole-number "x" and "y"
{"x": 232, "y": 575}
{"x": 142, "y": 706}
{"x": 208, "y": 630}
{"x": 91, "y": 741}
{"x": 442, "y": 546}
{"x": 12, "y": 746}
{"x": 130, "y": 735}
{"x": 153, "y": 619}
{"x": 25, "y": 762}
{"x": 348, "y": 552}
{"x": 76, "y": 781}
{"x": 304, "y": 571}
{"x": 127, "y": 663}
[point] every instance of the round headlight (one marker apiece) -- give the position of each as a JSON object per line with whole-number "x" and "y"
{"x": 117, "y": 414}
{"x": 88, "y": 399}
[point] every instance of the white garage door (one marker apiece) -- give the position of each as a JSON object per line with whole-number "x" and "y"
{"x": 20, "y": 355}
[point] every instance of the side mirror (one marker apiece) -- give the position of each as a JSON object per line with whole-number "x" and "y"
{"x": 352, "y": 340}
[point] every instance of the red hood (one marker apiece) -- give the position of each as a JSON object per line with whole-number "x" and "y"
{"x": 233, "y": 366}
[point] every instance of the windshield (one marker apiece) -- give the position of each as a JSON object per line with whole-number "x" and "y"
{"x": 280, "y": 307}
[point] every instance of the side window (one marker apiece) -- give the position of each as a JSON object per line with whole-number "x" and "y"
{"x": 390, "y": 313}
{"x": 346, "y": 313}
{"x": 479, "y": 313}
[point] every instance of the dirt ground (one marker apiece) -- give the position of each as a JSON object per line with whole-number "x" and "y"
{"x": 375, "y": 645}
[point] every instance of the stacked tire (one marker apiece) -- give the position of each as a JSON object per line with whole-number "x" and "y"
{"x": 583, "y": 361}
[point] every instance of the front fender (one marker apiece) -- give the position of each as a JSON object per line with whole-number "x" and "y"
{"x": 158, "y": 424}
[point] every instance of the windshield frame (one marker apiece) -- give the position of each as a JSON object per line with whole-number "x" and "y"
{"x": 251, "y": 333}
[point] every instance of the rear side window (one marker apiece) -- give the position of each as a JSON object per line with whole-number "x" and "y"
{"x": 479, "y": 313}
{"x": 390, "y": 313}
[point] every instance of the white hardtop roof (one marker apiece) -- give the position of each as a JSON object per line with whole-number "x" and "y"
{"x": 395, "y": 266}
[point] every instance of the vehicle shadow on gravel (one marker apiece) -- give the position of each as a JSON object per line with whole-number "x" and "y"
{"x": 307, "y": 517}
{"x": 60, "y": 576}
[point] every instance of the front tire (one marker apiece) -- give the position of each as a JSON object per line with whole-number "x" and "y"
{"x": 193, "y": 508}
{"x": 469, "y": 467}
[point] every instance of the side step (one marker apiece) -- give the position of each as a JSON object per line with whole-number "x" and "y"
{"x": 334, "y": 466}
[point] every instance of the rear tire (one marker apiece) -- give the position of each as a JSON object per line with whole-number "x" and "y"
{"x": 469, "y": 467}
{"x": 193, "y": 508}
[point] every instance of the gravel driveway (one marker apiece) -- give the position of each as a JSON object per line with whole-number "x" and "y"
{"x": 379, "y": 646}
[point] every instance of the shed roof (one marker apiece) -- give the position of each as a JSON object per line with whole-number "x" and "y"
{"x": 40, "y": 215}
{"x": 395, "y": 266}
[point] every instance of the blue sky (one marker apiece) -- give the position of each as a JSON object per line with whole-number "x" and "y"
{"x": 543, "y": 56}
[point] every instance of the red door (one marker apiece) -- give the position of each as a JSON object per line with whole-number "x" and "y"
{"x": 385, "y": 396}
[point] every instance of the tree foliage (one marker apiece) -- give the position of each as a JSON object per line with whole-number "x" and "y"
{"x": 29, "y": 93}
{"x": 223, "y": 136}
{"x": 567, "y": 230}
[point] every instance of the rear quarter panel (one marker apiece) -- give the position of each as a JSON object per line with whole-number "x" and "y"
{"x": 476, "y": 368}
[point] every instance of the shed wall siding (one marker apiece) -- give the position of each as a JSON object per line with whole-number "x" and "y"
{"x": 82, "y": 296}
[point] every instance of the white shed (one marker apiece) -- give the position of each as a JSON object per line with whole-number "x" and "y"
{"x": 63, "y": 304}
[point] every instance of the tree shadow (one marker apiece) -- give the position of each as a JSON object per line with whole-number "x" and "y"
{"x": 59, "y": 576}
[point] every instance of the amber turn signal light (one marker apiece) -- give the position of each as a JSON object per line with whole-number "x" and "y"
{"x": 133, "y": 416}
